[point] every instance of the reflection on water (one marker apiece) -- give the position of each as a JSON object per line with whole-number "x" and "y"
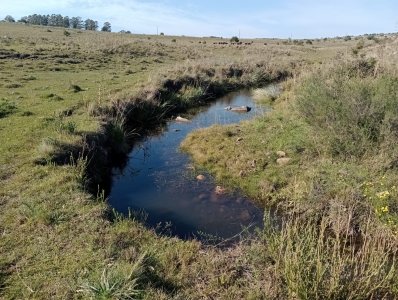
{"x": 160, "y": 181}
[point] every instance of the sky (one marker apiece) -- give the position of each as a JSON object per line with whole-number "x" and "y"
{"x": 226, "y": 18}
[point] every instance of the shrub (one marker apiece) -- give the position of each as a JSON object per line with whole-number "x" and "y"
{"x": 350, "y": 111}
{"x": 234, "y": 39}
{"x": 6, "y": 108}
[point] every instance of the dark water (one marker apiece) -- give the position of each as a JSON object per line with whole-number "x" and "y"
{"x": 159, "y": 180}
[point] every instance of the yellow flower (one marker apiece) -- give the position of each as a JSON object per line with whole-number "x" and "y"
{"x": 383, "y": 195}
{"x": 384, "y": 209}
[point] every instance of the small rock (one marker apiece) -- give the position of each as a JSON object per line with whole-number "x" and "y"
{"x": 200, "y": 177}
{"x": 190, "y": 167}
{"x": 253, "y": 163}
{"x": 241, "y": 109}
{"x": 220, "y": 190}
{"x": 281, "y": 154}
{"x": 203, "y": 197}
{"x": 283, "y": 161}
{"x": 177, "y": 130}
{"x": 181, "y": 119}
{"x": 241, "y": 173}
{"x": 239, "y": 139}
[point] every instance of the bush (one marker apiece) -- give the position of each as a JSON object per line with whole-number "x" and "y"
{"x": 6, "y": 108}
{"x": 234, "y": 39}
{"x": 350, "y": 111}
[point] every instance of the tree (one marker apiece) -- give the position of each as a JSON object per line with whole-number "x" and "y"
{"x": 55, "y": 20}
{"x": 76, "y": 23}
{"x": 90, "y": 24}
{"x": 234, "y": 39}
{"x": 66, "y": 22}
{"x": 9, "y": 18}
{"x": 23, "y": 20}
{"x": 106, "y": 27}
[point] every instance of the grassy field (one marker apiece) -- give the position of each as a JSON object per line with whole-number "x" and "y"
{"x": 68, "y": 101}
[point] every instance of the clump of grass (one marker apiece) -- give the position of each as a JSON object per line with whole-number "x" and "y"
{"x": 69, "y": 127}
{"x": 27, "y": 113}
{"x": 117, "y": 282}
{"x": 29, "y": 78}
{"x": 47, "y": 147}
{"x": 53, "y": 96}
{"x": 119, "y": 135}
{"x": 316, "y": 259}
{"x": 6, "y": 108}
{"x": 267, "y": 94}
{"x": 14, "y": 85}
{"x": 36, "y": 213}
{"x": 75, "y": 88}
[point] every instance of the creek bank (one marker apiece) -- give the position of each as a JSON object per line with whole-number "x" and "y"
{"x": 153, "y": 106}
{"x": 158, "y": 181}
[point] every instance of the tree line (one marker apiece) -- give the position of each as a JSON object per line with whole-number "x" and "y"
{"x": 61, "y": 21}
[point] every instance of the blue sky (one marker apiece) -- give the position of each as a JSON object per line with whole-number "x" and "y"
{"x": 252, "y": 18}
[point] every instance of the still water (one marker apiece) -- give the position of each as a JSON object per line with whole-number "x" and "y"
{"x": 159, "y": 180}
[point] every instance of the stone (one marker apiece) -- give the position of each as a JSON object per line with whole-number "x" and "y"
{"x": 200, "y": 177}
{"x": 283, "y": 161}
{"x": 203, "y": 197}
{"x": 220, "y": 190}
{"x": 181, "y": 119}
{"x": 239, "y": 139}
{"x": 281, "y": 154}
{"x": 241, "y": 109}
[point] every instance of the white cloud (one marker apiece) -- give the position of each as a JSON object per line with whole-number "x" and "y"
{"x": 306, "y": 18}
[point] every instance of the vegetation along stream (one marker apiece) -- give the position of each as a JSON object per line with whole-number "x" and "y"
{"x": 160, "y": 181}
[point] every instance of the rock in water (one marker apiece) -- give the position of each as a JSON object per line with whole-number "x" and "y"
{"x": 181, "y": 119}
{"x": 241, "y": 109}
{"x": 220, "y": 190}
{"x": 200, "y": 177}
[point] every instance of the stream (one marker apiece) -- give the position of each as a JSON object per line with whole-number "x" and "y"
{"x": 159, "y": 181}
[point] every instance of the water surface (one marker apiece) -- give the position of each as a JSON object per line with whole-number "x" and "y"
{"x": 159, "y": 180}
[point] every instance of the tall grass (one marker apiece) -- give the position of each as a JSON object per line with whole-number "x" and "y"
{"x": 317, "y": 259}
